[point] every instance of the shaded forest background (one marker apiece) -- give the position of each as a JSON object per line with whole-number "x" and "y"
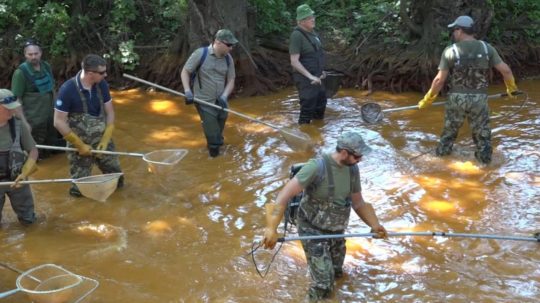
{"x": 378, "y": 44}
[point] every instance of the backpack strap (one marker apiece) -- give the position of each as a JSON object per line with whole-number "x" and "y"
{"x": 456, "y": 53}
{"x": 196, "y": 71}
{"x": 485, "y": 49}
{"x": 315, "y": 48}
{"x": 354, "y": 174}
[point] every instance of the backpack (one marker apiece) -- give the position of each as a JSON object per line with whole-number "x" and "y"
{"x": 293, "y": 204}
{"x": 203, "y": 57}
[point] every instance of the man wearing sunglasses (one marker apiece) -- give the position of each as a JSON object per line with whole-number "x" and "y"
{"x": 208, "y": 75}
{"x": 33, "y": 84}
{"x": 18, "y": 155}
{"x": 467, "y": 63}
{"x": 84, "y": 115}
{"x": 324, "y": 209}
{"x": 307, "y": 60}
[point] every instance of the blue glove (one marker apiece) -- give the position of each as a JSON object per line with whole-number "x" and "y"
{"x": 189, "y": 97}
{"x": 222, "y": 101}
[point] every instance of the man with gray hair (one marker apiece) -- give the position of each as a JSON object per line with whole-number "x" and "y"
{"x": 307, "y": 60}
{"x": 84, "y": 115}
{"x": 468, "y": 63}
{"x": 324, "y": 210}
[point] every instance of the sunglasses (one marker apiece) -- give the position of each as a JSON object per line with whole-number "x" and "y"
{"x": 227, "y": 44}
{"x": 355, "y": 156}
{"x": 98, "y": 72}
{"x": 8, "y": 100}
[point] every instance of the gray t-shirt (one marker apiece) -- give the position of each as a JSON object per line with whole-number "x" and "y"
{"x": 211, "y": 74}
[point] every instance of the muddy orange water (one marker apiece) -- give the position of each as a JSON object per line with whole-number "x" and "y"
{"x": 183, "y": 237}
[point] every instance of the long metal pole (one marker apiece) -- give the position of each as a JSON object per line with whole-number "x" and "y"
{"x": 535, "y": 238}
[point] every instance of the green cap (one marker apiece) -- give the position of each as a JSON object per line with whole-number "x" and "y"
{"x": 225, "y": 35}
{"x": 352, "y": 141}
{"x": 303, "y": 11}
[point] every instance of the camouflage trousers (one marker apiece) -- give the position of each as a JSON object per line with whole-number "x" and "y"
{"x": 90, "y": 130}
{"x": 474, "y": 107}
{"x": 325, "y": 261}
{"x": 22, "y": 202}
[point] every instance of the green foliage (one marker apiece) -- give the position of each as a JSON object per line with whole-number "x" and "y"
{"x": 51, "y": 24}
{"x": 515, "y": 20}
{"x": 272, "y": 16}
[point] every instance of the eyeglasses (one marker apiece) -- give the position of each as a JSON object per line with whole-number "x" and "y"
{"x": 8, "y": 100}
{"x": 355, "y": 156}
{"x": 98, "y": 72}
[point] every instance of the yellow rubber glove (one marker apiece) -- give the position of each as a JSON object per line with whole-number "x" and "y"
{"x": 428, "y": 99}
{"x": 28, "y": 168}
{"x": 106, "y": 138}
{"x": 511, "y": 87}
{"x": 83, "y": 149}
{"x": 274, "y": 213}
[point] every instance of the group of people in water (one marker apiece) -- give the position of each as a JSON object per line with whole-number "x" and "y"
{"x": 81, "y": 115}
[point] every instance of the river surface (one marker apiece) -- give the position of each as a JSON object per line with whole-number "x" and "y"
{"x": 183, "y": 236}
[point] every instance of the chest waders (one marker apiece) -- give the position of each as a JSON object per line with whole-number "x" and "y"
{"x": 326, "y": 215}
{"x": 38, "y": 103}
{"x": 312, "y": 97}
{"x": 12, "y": 161}
{"x": 470, "y": 72}
{"x": 89, "y": 128}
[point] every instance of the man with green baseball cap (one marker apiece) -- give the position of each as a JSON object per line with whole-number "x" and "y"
{"x": 307, "y": 60}
{"x": 208, "y": 75}
{"x": 331, "y": 187}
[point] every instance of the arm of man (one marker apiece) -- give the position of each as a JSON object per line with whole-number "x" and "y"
{"x": 274, "y": 212}
{"x": 366, "y": 212}
{"x": 436, "y": 86}
{"x": 508, "y": 78}
{"x": 61, "y": 122}
{"x": 295, "y": 62}
{"x": 109, "y": 111}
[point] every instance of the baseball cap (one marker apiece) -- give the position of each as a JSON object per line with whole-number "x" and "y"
{"x": 225, "y": 35}
{"x": 352, "y": 141}
{"x": 8, "y": 100}
{"x": 462, "y": 21}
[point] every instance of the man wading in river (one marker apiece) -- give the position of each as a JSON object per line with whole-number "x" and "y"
{"x": 307, "y": 60}
{"x": 209, "y": 75}
{"x": 468, "y": 63}
{"x": 325, "y": 209}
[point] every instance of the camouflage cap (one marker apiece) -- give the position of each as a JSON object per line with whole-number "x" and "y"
{"x": 303, "y": 11}
{"x": 462, "y": 21}
{"x": 352, "y": 141}
{"x": 8, "y": 100}
{"x": 225, "y": 35}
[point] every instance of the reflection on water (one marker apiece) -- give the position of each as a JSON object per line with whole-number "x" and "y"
{"x": 183, "y": 236}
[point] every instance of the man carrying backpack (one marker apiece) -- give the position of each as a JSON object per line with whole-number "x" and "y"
{"x": 324, "y": 209}
{"x": 208, "y": 75}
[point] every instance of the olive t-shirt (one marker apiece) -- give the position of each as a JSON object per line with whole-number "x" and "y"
{"x": 448, "y": 56}
{"x": 341, "y": 174}
{"x": 27, "y": 142}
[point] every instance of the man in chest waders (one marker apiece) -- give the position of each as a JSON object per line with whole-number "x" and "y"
{"x": 18, "y": 155}
{"x": 467, "y": 62}
{"x": 84, "y": 115}
{"x": 325, "y": 209}
{"x": 33, "y": 84}
{"x": 208, "y": 75}
{"x": 307, "y": 60}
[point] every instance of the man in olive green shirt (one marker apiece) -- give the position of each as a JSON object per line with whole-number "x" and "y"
{"x": 325, "y": 209}
{"x": 33, "y": 84}
{"x": 15, "y": 143}
{"x": 307, "y": 60}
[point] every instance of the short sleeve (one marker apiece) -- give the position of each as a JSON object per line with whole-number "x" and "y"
{"x": 307, "y": 173}
{"x": 193, "y": 60}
